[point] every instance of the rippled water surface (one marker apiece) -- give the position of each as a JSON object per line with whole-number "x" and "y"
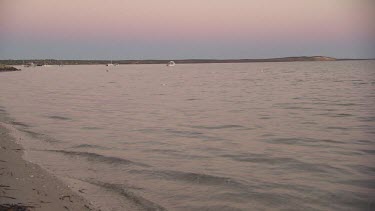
{"x": 257, "y": 136}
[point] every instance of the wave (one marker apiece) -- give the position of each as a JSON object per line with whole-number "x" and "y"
{"x": 259, "y": 192}
{"x": 190, "y": 177}
{"x": 184, "y": 133}
{"x": 286, "y": 163}
{"x": 213, "y": 208}
{"x": 40, "y": 136}
{"x": 91, "y": 128}
{"x": 364, "y": 169}
{"x": 218, "y": 127}
{"x": 192, "y": 134}
{"x": 367, "y": 119}
{"x": 89, "y": 146}
{"x": 5, "y": 118}
{"x": 176, "y": 153}
{"x": 338, "y": 128}
{"x": 334, "y": 115}
{"x": 101, "y": 158}
{"x": 369, "y": 151}
{"x": 137, "y": 200}
{"x": 364, "y": 183}
{"x": 364, "y": 142}
{"x": 19, "y": 124}
{"x": 303, "y": 141}
{"x": 25, "y": 128}
{"x": 59, "y": 117}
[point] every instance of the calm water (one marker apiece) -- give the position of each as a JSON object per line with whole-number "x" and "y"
{"x": 259, "y": 136}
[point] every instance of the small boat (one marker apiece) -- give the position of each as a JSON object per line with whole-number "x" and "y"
{"x": 171, "y": 64}
{"x": 31, "y": 64}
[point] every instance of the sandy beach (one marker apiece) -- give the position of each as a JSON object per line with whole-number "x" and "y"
{"x": 25, "y": 186}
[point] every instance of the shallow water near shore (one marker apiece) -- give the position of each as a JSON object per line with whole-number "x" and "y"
{"x": 255, "y": 136}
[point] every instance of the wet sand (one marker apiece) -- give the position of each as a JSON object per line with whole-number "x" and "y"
{"x": 25, "y": 186}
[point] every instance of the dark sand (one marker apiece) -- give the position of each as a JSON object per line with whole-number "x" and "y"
{"x": 25, "y": 186}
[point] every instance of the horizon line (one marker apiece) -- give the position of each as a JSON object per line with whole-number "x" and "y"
{"x": 182, "y": 59}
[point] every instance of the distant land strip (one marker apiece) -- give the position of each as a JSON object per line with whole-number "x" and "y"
{"x": 156, "y": 61}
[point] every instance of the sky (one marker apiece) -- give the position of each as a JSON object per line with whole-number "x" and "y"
{"x": 185, "y": 29}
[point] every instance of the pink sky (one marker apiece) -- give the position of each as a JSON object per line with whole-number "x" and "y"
{"x": 163, "y": 20}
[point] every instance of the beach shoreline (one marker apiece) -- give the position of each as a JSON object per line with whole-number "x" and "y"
{"x": 26, "y": 186}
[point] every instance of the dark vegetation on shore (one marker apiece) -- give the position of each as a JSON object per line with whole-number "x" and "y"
{"x": 4, "y": 68}
{"x": 40, "y": 62}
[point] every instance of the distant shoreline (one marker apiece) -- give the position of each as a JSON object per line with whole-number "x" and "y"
{"x": 163, "y": 61}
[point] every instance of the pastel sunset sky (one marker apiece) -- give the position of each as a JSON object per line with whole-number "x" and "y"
{"x": 177, "y": 29}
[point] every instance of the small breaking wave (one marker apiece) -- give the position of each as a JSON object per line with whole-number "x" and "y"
{"x": 214, "y": 208}
{"x": 192, "y": 134}
{"x": 285, "y": 162}
{"x": 365, "y": 183}
{"x": 101, "y": 158}
{"x": 91, "y": 128}
{"x": 89, "y": 146}
{"x": 303, "y": 141}
{"x": 369, "y": 151}
{"x": 367, "y": 119}
{"x": 218, "y": 127}
{"x": 137, "y": 200}
{"x": 190, "y": 177}
{"x": 20, "y": 124}
{"x": 184, "y": 133}
{"x": 59, "y": 117}
{"x": 40, "y": 136}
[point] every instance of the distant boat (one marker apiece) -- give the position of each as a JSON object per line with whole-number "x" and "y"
{"x": 109, "y": 65}
{"x": 171, "y": 64}
{"x": 31, "y": 64}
